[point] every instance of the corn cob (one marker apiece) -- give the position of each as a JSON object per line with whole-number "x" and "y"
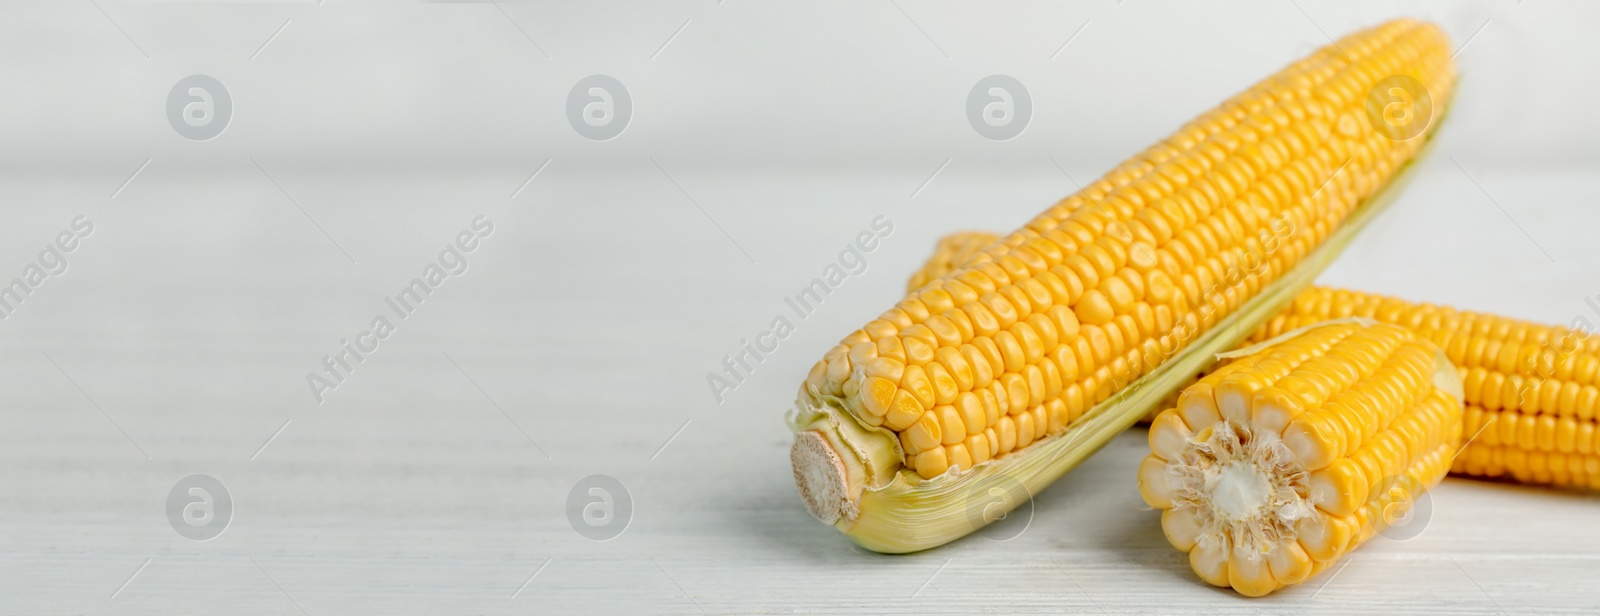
{"x": 972, "y": 382}
{"x": 1530, "y": 390}
{"x": 1275, "y": 465}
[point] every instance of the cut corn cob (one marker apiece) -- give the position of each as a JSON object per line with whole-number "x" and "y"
{"x": 1016, "y": 366}
{"x": 1530, "y": 390}
{"x": 1278, "y": 463}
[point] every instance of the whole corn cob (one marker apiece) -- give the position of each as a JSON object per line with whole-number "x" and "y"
{"x": 1530, "y": 390}
{"x": 1275, "y": 465}
{"x": 1014, "y": 367}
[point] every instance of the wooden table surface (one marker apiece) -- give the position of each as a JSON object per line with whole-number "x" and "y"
{"x": 436, "y": 478}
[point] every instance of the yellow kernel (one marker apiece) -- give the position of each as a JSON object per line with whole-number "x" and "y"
{"x": 1025, "y": 429}
{"x": 918, "y": 351}
{"x": 1016, "y": 388}
{"x": 1011, "y": 350}
{"x": 1006, "y": 430}
{"x": 956, "y": 366}
{"x": 991, "y": 406}
{"x": 944, "y": 331}
{"x": 1094, "y": 308}
{"x": 944, "y": 385}
{"x": 1118, "y": 294}
{"x": 904, "y": 409}
{"x": 1004, "y": 311}
{"x": 932, "y": 463}
{"x": 926, "y": 433}
{"x": 877, "y": 395}
{"x": 982, "y": 371}
{"x": 951, "y": 427}
{"x": 915, "y": 381}
{"x": 1018, "y": 299}
{"x": 1032, "y": 347}
{"x": 978, "y": 446}
{"x": 970, "y": 407}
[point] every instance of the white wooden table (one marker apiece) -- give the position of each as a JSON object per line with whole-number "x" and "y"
{"x": 435, "y": 479}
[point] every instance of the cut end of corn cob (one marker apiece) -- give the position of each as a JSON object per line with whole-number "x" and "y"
{"x": 1016, "y": 358}
{"x": 820, "y": 474}
{"x": 835, "y": 457}
{"x": 1274, "y": 466}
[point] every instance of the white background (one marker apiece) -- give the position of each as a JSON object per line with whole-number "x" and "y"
{"x": 764, "y": 137}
